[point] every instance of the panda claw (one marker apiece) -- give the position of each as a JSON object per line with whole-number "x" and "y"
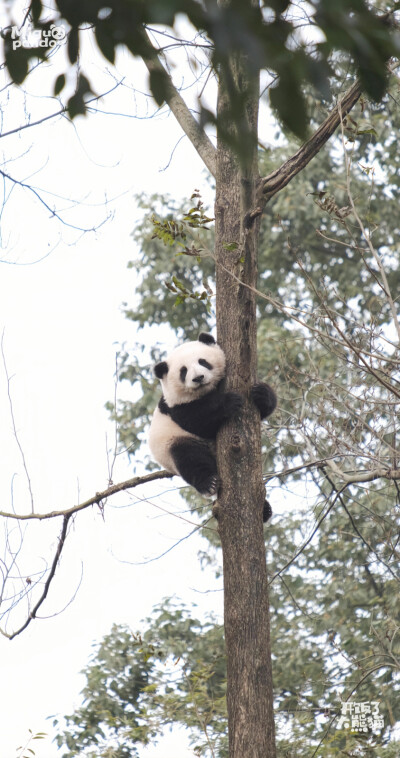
{"x": 211, "y": 487}
{"x": 212, "y": 490}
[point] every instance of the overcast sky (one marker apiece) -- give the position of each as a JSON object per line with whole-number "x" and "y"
{"x": 61, "y": 321}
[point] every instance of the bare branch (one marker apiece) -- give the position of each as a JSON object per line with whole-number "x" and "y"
{"x": 52, "y": 212}
{"x": 279, "y": 178}
{"x": 24, "y": 464}
{"x": 276, "y": 180}
{"x": 290, "y": 312}
{"x": 97, "y": 499}
{"x": 61, "y": 112}
{"x": 182, "y": 113}
{"x": 364, "y": 476}
{"x": 346, "y": 341}
{"x": 348, "y": 477}
{"x": 351, "y": 519}
{"x": 310, "y": 537}
{"x": 367, "y": 236}
{"x": 32, "y": 615}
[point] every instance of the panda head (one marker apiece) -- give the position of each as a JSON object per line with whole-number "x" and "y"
{"x": 191, "y": 371}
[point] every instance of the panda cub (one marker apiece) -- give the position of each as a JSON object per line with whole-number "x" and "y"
{"x": 192, "y": 410}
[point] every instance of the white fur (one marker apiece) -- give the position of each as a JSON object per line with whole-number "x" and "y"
{"x": 163, "y": 432}
{"x": 188, "y": 354}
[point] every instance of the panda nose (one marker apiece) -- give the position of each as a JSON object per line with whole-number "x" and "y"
{"x": 199, "y": 378}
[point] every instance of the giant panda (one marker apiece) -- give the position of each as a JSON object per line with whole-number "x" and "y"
{"x": 193, "y": 408}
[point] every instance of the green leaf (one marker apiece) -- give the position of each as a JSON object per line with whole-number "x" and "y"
{"x": 279, "y": 5}
{"x": 59, "y": 84}
{"x": 105, "y": 40}
{"x": 73, "y": 45}
{"x": 76, "y": 105}
{"x": 180, "y": 299}
{"x": 179, "y": 284}
{"x": 35, "y": 10}
{"x": 288, "y": 102}
{"x": 158, "y": 85}
{"x": 16, "y": 62}
{"x": 374, "y": 82}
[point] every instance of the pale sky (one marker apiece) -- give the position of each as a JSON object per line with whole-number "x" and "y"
{"x": 61, "y": 319}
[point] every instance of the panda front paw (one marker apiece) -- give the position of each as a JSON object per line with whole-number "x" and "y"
{"x": 233, "y": 403}
{"x": 264, "y": 398}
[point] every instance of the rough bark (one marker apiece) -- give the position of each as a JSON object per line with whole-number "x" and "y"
{"x": 241, "y": 495}
{"x": 240, "y": 198}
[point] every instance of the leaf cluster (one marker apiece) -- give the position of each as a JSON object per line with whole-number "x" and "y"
{"x": 137, "y": 683}
{"x": 334, "y": 627}
{"x": 156, "y": 264}
{"x": 266, "y": 37}
{"x": 334, "y": 592}
{"x": 25, "y": 751}
{"x": 170, "y": 230}
{"x": 173, "y": 232}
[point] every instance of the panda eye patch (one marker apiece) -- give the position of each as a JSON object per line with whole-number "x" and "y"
{"x": 205, "y": 364}
{"x": 183, "y": 373}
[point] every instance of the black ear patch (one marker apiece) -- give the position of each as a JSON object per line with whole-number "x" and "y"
{"x": 160, "y": 369}
{"x": 208, "y": 339}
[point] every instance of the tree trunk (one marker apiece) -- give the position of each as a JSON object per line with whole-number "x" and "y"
{"x": 241, "y": 496}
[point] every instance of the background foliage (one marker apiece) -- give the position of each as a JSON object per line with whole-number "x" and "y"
{"x": 332, "y": 547}
{"x": 269, "y": 36}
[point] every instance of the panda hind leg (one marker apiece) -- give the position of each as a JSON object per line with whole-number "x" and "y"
{"x": 196, "y": 464}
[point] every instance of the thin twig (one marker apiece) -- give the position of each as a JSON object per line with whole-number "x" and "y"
{"x": 32, "y": 615}
{"x": 308, "y": 540}
{"x": 366, "y": 235}
{"x": 16, "y": 437}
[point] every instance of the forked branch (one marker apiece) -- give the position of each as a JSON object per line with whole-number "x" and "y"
{"x": 274, "y": 182}
{"x": 33, "y": 613}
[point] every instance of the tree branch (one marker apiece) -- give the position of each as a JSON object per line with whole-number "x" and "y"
{"x": 62, "y": 111}
{"x": 279, "y": 178}
{"x": 53, "y": 213}
{"x": 95, "y": 500}
{"x": 308, "y": 540}
{"x": 349, "y": 477}
{"x": 32, "y": 615}
{"x": 182, "y": 113}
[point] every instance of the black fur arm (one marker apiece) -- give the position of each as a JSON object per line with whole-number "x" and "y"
{"x": 264, "y": 398}
{"x": 205, "y": 416}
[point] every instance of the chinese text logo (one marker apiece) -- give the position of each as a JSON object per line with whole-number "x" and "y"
{"x": 360, "y": 717}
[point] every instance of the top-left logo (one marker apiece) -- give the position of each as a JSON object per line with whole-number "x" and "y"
{"x": 28, "y": 36}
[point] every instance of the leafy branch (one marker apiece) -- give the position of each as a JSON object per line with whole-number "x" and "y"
{"x": 171, "y": 232}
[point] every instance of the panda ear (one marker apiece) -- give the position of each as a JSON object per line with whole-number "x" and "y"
{"x": 208, "y": 339}
{"x": 160, "y": 369}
